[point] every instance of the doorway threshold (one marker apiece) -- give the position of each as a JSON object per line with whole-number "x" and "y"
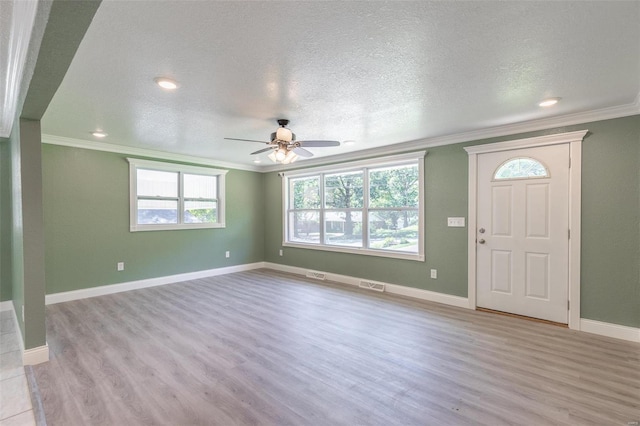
{"x": 508, "y": 314}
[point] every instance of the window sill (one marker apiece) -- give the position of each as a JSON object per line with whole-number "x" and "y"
{"x": 362, "y": 251}
{"x": 175, "y": 227}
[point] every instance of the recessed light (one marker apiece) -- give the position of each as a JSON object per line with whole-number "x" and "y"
{"x": 166, "y": 83}
{"x": 549, "y": 102}
{"x": 99, "y": 134}
{"x": 349, "y": 142}
{"x": 257, "y": 161}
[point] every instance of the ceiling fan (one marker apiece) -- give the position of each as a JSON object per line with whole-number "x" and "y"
{"x": 284, "y": 147}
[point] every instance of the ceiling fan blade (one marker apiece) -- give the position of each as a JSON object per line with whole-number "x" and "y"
{"x": 245, "y": 140}
{"x": 319, "y": 143}
{"x": 303, "y": 152}
{"x": 264, "y": 150}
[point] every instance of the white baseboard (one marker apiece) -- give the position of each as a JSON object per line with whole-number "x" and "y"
{"x": 151, "y": 282}
{"x": 35, "y": 355}
{"x": 631, "y": 334}
{"x": 7, "y": 305}
{"x": 416, "y": 293}
{"x": 41, "y": 354}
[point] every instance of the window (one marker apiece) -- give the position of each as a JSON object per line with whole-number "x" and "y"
{"x": 369, "y": 207}
{"x": 521, "y": 168}
{"x": 173, "y": 196}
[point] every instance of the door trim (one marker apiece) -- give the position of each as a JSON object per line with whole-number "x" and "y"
{"x": 574, "y": 139}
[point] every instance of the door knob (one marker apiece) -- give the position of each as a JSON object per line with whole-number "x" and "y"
{"x": 481, "y": 230}
{"x": 481, "y": 241}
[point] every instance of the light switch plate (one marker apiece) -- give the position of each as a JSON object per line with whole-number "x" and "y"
{"x": 455, "y": 222}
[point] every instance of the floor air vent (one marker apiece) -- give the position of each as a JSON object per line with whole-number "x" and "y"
{"x": 371, "y": 285}
{"x": 317, "y": 275}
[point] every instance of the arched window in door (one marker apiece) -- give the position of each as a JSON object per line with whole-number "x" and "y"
{"x": 521, "y": 168}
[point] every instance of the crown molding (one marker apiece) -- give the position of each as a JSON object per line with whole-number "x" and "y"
{"x": 554, "y": 139}
{"x": 474, "y": 135}
{"x": 142, "y": 152}
{"x": 23, "y": 14}
{"x": 398, "y": 148}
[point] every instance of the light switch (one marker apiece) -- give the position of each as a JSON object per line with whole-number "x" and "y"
{"x": 455, "y": 222}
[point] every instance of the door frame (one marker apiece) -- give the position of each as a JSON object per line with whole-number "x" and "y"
{"x": 574, "y": 139}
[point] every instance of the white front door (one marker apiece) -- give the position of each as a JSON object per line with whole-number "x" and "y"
{"x": 523, "y": 232}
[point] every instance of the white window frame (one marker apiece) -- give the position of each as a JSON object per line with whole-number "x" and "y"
{"x": 181, "y": 169}
{"x": 364, "y": 165}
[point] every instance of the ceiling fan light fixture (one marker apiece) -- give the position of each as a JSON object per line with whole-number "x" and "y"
{"x": 166, "y": 83}
{"x": 281, "y": 154}
{"x": 282, "y": 145}
{"x": 290, "y": 158}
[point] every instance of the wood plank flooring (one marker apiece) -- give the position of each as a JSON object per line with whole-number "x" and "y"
{"x": 268, "y": 348}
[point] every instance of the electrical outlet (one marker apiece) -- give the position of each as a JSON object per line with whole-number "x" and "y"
{"x": 120, "y": 266}
{"x": 434, "y": 274}
{"x": 227, "y": 254}
{"x": 281, "y": 253}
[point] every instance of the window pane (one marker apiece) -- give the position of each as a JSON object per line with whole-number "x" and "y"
{"x": 343, "y": 228}
{"x": 154, "y": 183}
{"x": 394, "y": 187}
{"x": 200, "y": 212}
{"x": 199, "y": 186}
{"x": 521, "y": 168}
{"x": 157, "y": 212}
{"x": 304, "y": 227}
{"x": 343, "y": 190}
{"x": 304, "y": 193}
{"x": 394, "y": 230}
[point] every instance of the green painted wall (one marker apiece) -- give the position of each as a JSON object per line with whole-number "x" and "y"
{"x": 23, "y": 264}
{"x": 16, "y": 252}
{"x": 32, "y": 233}
{"x": 86, "y": 210}
{"x": 5, "y": 220}
{"x": 610, "y": 225}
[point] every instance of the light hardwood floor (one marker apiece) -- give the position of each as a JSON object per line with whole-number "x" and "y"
{"x": 267, "y": 348}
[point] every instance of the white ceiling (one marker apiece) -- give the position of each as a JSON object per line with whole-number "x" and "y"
{"x": 379, "y": 73}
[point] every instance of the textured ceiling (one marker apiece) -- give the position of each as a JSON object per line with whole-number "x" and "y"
{"x": 378, "y": 73}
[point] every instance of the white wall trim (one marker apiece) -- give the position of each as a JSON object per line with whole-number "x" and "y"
{"x": 623, "y": 332}
{"x": 475, "y": 135}
{"x": 408, "y": 157}
{"x": 555, "y": 139}
{"x": 590, "y": 326}
{"x": 142, "y": 152}
{"x": 574, "y": 139}
{"x": 18, "y": 36}
{"x": 401, "y": 290}
{"x": 35, "y": 355}
{"x": 575, "y": 228}
{"x": 85, "y": 293}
